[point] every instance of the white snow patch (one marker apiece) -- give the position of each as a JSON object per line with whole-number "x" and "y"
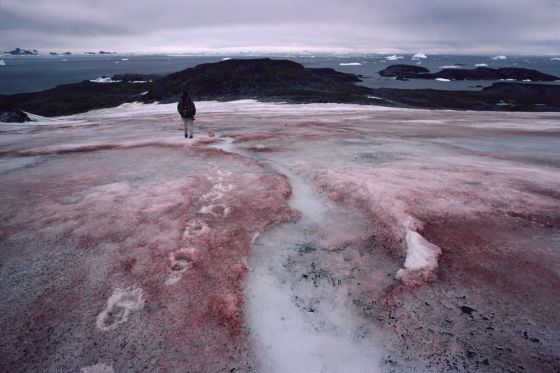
{"x": 119, "y": 306}
{"x": 98, "y": 368}
{"x": 394, "y": 57}
{"x": 421, "y": 258}
{"x": 481, "y": 65}
{"x": 350, "y": 64}
{"x": 443, "y": 80}
{"x": 496, "y": 58}
{"x": 104, "y": 79}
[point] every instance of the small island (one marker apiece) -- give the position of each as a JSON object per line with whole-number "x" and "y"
{"x": 404, "y": 72}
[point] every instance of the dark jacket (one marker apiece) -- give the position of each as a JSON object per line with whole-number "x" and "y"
{"x": 186, "y": 107}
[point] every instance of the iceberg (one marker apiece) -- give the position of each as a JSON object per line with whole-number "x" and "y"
{"x": 450, "y": 67}
{"x": 419, "y": 56}
{"x": 394, "y": 57}
{"x": 555, "y": 59}
{"x": 2, "y": 63}
{"x": 443, "y": 80}
{"x": 481, "y": 65}
{"x": 350, "y": 64}
{"x": 496, "y": 58}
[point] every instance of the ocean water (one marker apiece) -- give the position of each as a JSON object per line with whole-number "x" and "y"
{"x": 35, "y": 73}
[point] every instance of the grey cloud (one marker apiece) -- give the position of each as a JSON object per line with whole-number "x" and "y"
{"x": 351, "y": 25}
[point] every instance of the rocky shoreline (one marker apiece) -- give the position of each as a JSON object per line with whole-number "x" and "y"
{"x": 287, "y": 81}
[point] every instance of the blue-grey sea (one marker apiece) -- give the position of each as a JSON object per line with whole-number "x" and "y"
{"x": 34, "y": 73}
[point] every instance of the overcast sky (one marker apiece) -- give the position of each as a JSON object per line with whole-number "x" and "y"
{"x": 384, "y": 26}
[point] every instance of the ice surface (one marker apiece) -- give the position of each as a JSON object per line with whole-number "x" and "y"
{"x": 281, "y": 238}
{"x": 98, "y": 368}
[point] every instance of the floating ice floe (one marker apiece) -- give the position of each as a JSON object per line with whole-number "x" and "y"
{"x": 139, "y": 81}
{"x": 350, "y": 64}
{"x": 375, "y": 97}
{"x": 419, "y": 56}
{"x": 481, "y": 65}
{"x": 394, "y": 57}
{"x": 496, "y": 58}
{"x": 124, "y": 59}
{"x": 2, "y": 63}
{"x": 104, "y": 79}
{"x": 450, "y": 67}
{"x": 226, "y": 58}
{"x": 443, "y": 80}
{"x": 555, "y": 59}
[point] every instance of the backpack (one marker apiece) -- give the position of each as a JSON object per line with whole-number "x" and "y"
{"x": 186, "y": 107}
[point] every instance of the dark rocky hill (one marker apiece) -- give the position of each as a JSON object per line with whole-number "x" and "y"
{"x": 257, "y": 78}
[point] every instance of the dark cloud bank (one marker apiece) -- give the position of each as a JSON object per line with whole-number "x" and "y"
{"x": 431, "y": 26}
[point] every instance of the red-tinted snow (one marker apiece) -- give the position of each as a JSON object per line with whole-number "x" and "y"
{"x": 413, "y": 240}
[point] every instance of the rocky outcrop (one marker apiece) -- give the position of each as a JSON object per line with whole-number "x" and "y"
{"x": 136, "y": 77}
{"x": 9, "y": 113}
{"x": 479, "y": 73}
{"x": 501, "y": 96}
{"x": 403, "y": 71}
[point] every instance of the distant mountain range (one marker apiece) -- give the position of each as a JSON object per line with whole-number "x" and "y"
{"x": 23, "y": 52}
{"x": 35, "y": 52}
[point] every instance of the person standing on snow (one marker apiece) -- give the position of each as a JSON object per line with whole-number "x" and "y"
{"x": 187, "y": 110}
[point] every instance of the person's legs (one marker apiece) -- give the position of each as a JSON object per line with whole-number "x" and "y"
{"x": 190, "y": 126}
{"x": 186, "y": 125}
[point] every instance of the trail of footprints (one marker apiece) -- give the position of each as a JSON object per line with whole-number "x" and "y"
{"x": 124, "y": 301}
{"x": 212, "y": 208}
